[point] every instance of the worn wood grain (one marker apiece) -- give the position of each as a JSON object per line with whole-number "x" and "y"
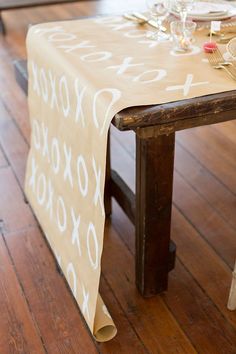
{"x": 15, "y": 214}
{"x": 224, "y": 148}
{"x": 16, "y": 154}
{"x": 151, "y": 318}
{"x": 128, "y": 340}
{"x": 209, "y": 223}
{"x": 228, "y": 130}
{"x": 204, "y": 264}
{"x": 3, "y": 161}
{"x": 17, "y": 4}
{"x": 217, "y": 165}
{"x": 204, "y": 183}
{"x": 19, "y": 332}
{"x": 154, "y": 183}
{"x": 49, "y": 299}
{"x": 221, "y": 105}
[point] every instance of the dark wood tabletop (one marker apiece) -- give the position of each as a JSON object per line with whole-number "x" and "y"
{"x": 168, "y": 117}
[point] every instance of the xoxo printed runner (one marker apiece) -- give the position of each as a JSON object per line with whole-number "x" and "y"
{"x": 81, "y": 73}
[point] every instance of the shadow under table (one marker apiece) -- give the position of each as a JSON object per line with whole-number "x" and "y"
{"x": 150, "y": 208}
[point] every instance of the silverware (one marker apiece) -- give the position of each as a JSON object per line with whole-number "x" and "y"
{"x": 220, "y": 59}
{"x": 221, "y": 33}
{"x": 217, "y": 61}
{"x": 225, "y": 39}
{"x": 148, "y": 21}
{"x": 131, "y": 17}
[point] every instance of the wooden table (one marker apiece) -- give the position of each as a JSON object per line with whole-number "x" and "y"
{"x": 19, "y": 4}
{"x": 150, "y": 208}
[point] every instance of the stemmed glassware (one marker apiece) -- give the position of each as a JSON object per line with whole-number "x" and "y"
{"x": 159, "y": 10}
{"x": 183, "y": 7}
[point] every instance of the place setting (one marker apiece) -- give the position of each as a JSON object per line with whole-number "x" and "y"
{"x": 200, "y": 12}
{"x": 204, "y": 11}
{"x": 185, "y": 22}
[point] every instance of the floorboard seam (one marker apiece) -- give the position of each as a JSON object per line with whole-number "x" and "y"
{"x": 207, "y": 295}
{"x": 130, "y": 323}
{"x": 209, "y": 171}
{"x": 203, "y": 237}
{"x": 206, "y": 200}
{"x": 23, "y": 292}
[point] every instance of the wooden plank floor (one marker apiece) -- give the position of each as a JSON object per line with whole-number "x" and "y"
{"x": 38, "y": 313}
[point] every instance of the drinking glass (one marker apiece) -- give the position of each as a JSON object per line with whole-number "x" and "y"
{"x": 182, "y": 38}
{"x": 159, "y": 10}
{"x": 183, "y": 7}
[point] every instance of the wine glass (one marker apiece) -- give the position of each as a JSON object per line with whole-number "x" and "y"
{"x": 159, "y": 10}
{"x": 183, "y": 7}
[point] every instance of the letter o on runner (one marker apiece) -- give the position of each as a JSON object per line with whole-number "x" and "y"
{"x": 136, "y": 34}
{"x": 55, "y": 155}
{"x": 82, "y": 171}
{"x": 64, "y": 96}
{"x": 41, "y": 189}
{"x": 160, "y": 74}
{"x": 61, "y": 215}
{"x": 115, "y": 96}
{"x": 96, "y": 56}
{"x": 36, "y": 135}
{"x": 61, "y": 36}
{"x": 71, "y": 271}
{"x": 44, "y": 85}
{"x": 93, "y": 256}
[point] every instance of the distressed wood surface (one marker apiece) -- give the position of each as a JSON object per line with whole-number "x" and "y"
{"x": 184, "y": 114}
{"x": 164, "y": 119}
{"x": 154, "y": 183}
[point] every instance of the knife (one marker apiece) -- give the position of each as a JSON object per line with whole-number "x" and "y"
{"x": 150, "y": 22}
{"x": 131, "y": 17}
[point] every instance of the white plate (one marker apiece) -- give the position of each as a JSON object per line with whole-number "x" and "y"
{"x": 205, "y": 11}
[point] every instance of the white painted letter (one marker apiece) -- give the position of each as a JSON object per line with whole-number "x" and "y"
{"x": 96, "y": 56}
{"x": 83, "y": 187}
{"x": 55, "y": 155}
{"x": 61, "y": 209}
{"x": 66, "y": 104}
{"x": 92, "y": 258}
{"x": 116, "y": 94}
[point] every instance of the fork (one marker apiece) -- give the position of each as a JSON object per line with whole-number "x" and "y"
{"x": 219, "y": 57}
{"x": 217, "y": 64}
{"x": 225, "y": 39}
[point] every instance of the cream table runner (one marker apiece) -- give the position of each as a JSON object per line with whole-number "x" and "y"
{"x": 81, "y": 73}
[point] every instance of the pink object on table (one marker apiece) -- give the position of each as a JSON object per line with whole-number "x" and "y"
{"x": 209, "y": 47}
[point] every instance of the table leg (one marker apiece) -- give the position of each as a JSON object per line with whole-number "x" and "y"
{"x": 154, "y": 184}
{"x": 2, "y": 27}
{"x": 107, "y": 191}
